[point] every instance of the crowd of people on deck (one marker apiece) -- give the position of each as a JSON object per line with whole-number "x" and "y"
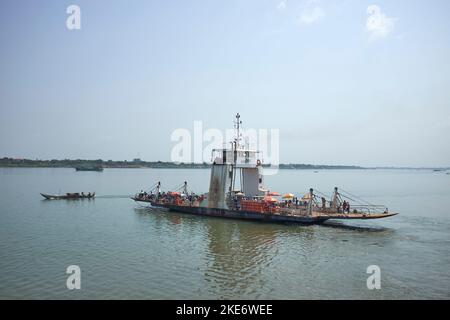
{"x": 189, "y": 199}
{"x": 294, "y": 202}
{"x": 169, "y": 197}
{"x": 143, "y": 195}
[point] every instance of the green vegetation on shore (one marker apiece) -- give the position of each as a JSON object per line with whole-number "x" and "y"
{"x": 137, "y": 163}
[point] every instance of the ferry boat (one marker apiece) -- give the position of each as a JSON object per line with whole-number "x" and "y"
{"x": 236, "y": 190}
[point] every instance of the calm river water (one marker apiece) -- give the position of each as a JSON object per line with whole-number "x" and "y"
{"x": 127, "y": 251}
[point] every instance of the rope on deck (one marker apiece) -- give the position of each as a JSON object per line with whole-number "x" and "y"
{"x": 359, "y": 200}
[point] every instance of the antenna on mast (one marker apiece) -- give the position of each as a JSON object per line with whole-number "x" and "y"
{"x": 237, "y": 125}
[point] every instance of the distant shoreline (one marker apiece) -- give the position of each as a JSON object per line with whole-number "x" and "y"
{"x": 139, "y": 164}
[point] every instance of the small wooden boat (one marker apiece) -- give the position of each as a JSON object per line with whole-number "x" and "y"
{"x": 83, "y": 168}
{"x": 69, "y": 196}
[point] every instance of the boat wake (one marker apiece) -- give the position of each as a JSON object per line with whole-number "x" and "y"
{"x": 113, "y": 197}
{"x": 364, "y": 228}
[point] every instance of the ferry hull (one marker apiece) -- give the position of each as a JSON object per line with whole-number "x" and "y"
{"x": 317, "y": 218}
{"x": 245, "y": 215}
{"x": 242, "y": 215}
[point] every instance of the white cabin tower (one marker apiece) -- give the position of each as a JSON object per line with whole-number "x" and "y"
{"x": 237, "y": 170}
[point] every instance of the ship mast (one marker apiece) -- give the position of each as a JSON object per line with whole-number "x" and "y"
{"x": 237, "y": 125}
{"x": 236, "y": 146}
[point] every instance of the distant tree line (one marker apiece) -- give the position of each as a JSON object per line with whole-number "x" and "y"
{"x": 69, "y": 163}
{"x": 137, "y": 163}
{"x": 315, "y": 166}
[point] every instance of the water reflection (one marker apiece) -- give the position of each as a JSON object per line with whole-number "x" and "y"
{"x": 237, "y": 254}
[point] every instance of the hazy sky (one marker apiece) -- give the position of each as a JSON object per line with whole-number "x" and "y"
{"x": 346, "y": 82}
